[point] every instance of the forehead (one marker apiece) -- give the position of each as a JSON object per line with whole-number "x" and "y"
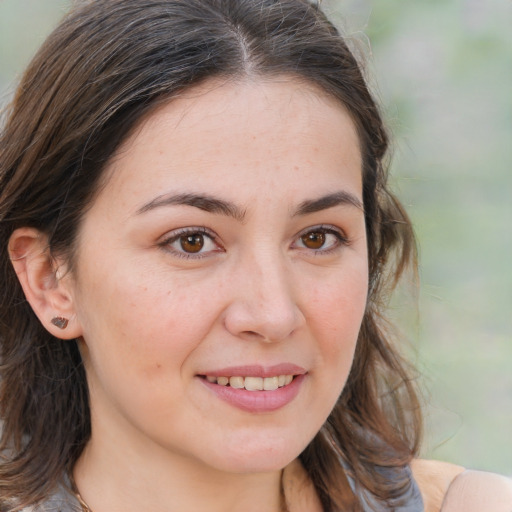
{"x": 227, "y": 132}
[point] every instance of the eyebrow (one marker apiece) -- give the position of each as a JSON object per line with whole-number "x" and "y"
{"x": 328, "y": 201}
{"x": 203, "y": 202}
{"x": 220, "y": 206}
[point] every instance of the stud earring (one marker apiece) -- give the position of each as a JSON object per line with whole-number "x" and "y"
{"x": 60, "y": 322}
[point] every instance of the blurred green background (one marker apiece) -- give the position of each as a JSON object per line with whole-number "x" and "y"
{"x": 443, "y": 71}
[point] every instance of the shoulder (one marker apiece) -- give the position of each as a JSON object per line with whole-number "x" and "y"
{"x": 473, "y": 491}
{"x": 450, "y": 488}
{"x": 434, "y": 478}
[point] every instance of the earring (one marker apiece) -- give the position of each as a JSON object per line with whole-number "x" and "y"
{"x": 60, "y": 322}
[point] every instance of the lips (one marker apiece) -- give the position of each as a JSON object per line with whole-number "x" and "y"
{"x": 256, "y": 388}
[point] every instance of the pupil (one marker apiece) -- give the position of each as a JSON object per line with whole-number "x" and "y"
{"x": 192, "y": 243}
{"x": 314, "y": 240}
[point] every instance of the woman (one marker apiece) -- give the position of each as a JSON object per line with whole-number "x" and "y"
{"x": 197, "y": 236}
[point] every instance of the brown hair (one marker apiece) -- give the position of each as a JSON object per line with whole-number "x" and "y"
{"x": 105, "y": 66}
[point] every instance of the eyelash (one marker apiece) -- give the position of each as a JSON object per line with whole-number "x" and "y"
{"x": 341, "y": 240}
{"x": 176, "y": 235}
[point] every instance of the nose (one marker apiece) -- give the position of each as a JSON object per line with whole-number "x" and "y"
{"x": 263, "y": 305}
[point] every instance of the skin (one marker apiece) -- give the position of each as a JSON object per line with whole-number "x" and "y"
{"x": 154, "y": 316}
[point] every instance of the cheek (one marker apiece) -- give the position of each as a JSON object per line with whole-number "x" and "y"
{"x": 145, "y": 322}
{"x": 335, "y": 315}
{"x": 338, "y": 305}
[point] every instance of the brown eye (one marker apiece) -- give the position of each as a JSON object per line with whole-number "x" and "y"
{"x": 321, "y": 240}
{"x": 192, "y": 243}
{"x": 313, "y": 240}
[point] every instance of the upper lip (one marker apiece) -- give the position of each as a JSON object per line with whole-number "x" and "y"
{"x": 256, "y": 370}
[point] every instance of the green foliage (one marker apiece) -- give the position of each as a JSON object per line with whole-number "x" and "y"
{"x": 445, "y": 75}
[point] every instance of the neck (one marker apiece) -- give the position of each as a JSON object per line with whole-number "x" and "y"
{"x": 290, "y": 491}
{"x": 121, "y": 470}
{"x": 109, "y": 481}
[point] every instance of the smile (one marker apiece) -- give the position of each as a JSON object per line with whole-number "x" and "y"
{"x": 252, "y": 383}
{"x": 255, "y": 394}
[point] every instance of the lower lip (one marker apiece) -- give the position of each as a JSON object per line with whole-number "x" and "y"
{"x": 257, "y": 401}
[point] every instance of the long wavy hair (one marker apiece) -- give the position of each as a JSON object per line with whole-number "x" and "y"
{"x": 108, "y": 64}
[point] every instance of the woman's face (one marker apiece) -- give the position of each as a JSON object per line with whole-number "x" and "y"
{"x": 228, "y": 243}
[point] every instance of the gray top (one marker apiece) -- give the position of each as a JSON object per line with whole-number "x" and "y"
{"x": 64, "y": 501}
{"x": 409, "y": 501}
{"x": 61, "y": 501}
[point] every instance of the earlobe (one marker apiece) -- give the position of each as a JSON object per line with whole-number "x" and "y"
{"x": 43, "y": 283}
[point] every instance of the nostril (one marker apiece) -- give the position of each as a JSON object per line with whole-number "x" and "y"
{"x": 254, "y": 335}
{"x": 270, "y": 322}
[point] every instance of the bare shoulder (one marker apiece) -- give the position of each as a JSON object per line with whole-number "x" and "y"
{"x": 434, "y": 479}
{"x": 474, "y": 491}
{"x": 450, "y": 488}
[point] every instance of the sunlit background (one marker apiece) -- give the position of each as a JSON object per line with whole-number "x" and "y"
{"x": 443, "y": 71}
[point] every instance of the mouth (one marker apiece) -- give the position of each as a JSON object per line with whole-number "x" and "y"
{"x": 256, "y": 388}
{"x": 252, "y": 383}
{"x": 256, "y": 393}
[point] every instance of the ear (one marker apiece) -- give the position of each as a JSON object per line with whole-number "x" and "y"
{"x": 45, "y": 283}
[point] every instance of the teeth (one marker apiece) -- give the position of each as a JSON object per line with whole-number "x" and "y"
{"x": 270, "y": 383}
{"x": 252, "y": 383}
{"x": 223, "y": 381}
{"x": 236, "y": 382}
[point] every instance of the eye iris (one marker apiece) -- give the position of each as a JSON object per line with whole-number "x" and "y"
{"x": 314, "y": 240}
{"x": 192, "y": 243}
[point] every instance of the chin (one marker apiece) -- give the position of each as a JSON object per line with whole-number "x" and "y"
{"x": 257, "y": 457}
{"x": 253, "y": 464}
